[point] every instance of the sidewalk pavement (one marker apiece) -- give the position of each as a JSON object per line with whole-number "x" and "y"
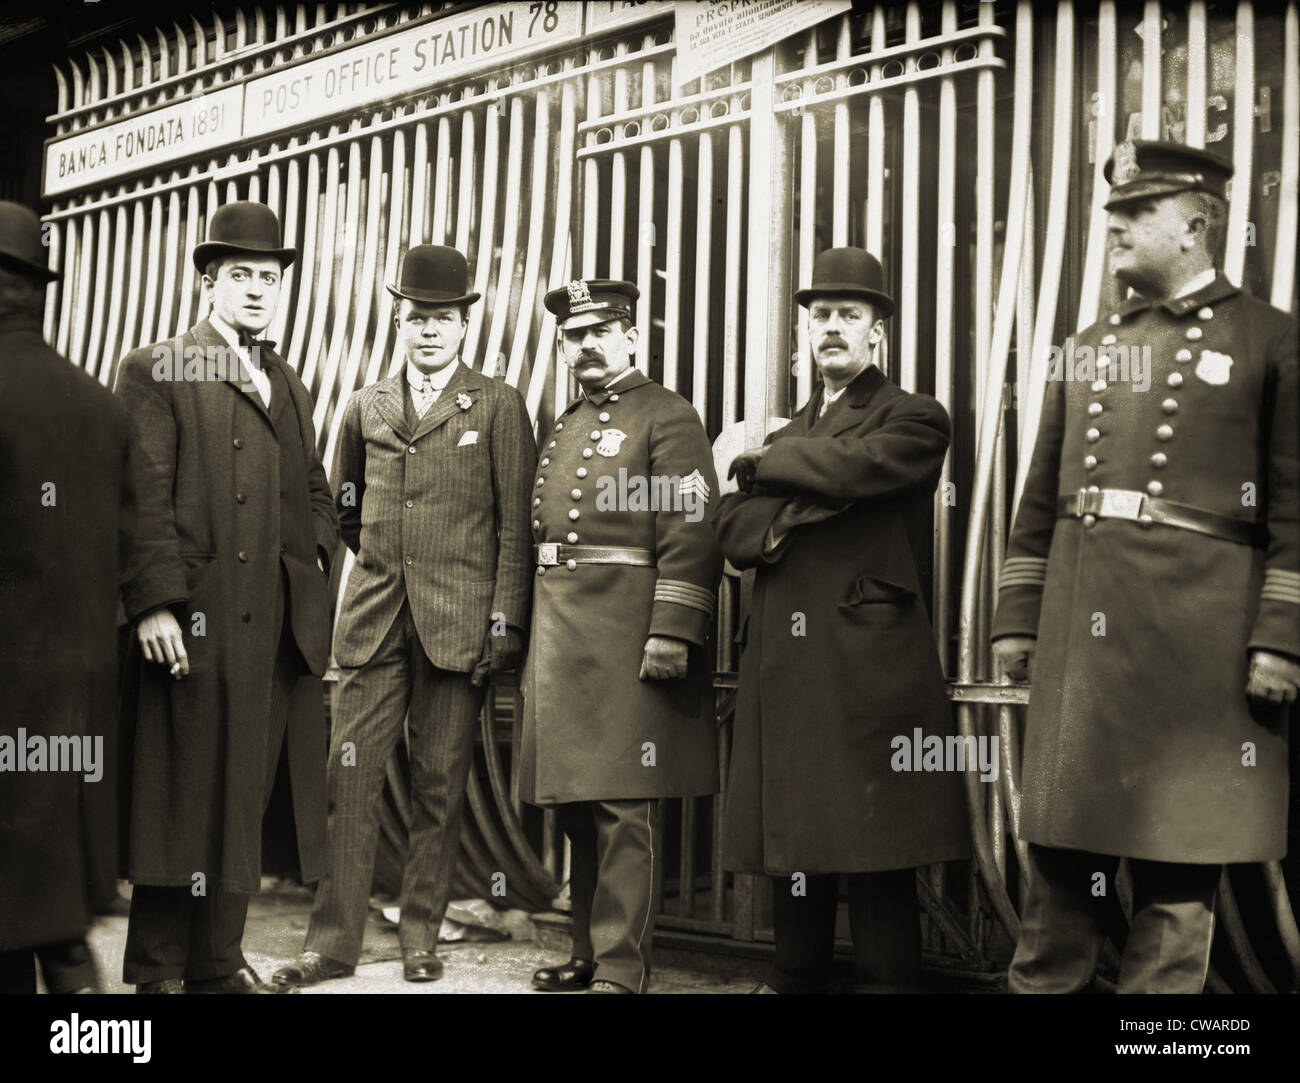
{"x": 277, "y": 926}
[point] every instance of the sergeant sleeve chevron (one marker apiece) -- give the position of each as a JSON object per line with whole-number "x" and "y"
{"x": 1277, "y": 621}
{"x": 686, "y": 551}
{"x": 1020, "y": 586}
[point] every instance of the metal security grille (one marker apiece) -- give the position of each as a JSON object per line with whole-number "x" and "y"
{"x": 961, "y": 142}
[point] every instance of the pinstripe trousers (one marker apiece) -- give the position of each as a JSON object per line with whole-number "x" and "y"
{"x": 611, "y": 882}
{"x": 173, "y": 934}
{"x": 370, "y": 704}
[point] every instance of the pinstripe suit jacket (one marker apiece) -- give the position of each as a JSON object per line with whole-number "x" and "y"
{"x": 435, "y": 515}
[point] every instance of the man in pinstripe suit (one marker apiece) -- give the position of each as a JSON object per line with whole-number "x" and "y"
{"x": 433, "y": 473}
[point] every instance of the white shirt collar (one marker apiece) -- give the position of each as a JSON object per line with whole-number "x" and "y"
{"x": 437, "y": 380}
{"x": 1198, "y": 283}
{"x": 626, "y": 372}
{"x": 831, "y": 396}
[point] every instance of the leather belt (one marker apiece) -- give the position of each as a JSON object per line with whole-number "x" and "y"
{"x": 550, "y": 554}
{"x": 1139, "y": 508}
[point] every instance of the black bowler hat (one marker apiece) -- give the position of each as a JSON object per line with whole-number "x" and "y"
{"x": 848, "y": 272}
{"x": 1144, "y": 168}
{"x": 21, "y": 249}
{"x": 588, "y": 301}
{"x": 242, "y": 227}
{"x": 434, "y": 274}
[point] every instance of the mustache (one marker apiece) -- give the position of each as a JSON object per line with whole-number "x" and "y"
{"x": 834, "y": 340}
{"x": 589, "y": 355}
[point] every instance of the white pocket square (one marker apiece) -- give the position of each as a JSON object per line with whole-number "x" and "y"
{"x": 469, "y": 436}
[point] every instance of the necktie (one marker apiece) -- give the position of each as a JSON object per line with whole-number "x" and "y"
{"x": 256, "y": 366}
{"x": 424, "y": 396}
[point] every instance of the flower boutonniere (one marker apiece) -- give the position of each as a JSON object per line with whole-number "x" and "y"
{"x": 464, "y": 401}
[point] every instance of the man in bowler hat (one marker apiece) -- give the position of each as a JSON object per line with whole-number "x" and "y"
{"x": 64, "y": 536}
{"x": 229, "y": 599}
{"x": 832, "y": 511}
{"x": 433, "y": 473}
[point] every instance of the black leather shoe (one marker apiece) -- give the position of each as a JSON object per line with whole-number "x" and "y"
{"x": 244, "y": 980}
{"x": 573, "y": 977}
{"x": 167, "y": 985}
{"x": 309, "y": 968}
{"x": 421, "y": 966}
{"x": 602, "y": 986}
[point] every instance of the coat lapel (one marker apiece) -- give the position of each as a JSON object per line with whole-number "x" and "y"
{"x": 847, "y": 411}
{"x": 216, "y": 349}
{"x": 389, "y": 402}
{"x": 464, "y": 381}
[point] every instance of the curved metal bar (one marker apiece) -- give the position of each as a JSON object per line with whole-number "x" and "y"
{"x": 1284, "y": 253}
{"x": 533, "y": 243}
{"x": 348, "y": 239}
{"x": 876, "y": 136}
{"x": 841, "y": 146}
{"x": 172, "y": 256}
{"x": 807, "y": 250}
{"x": 95, "y": 299}
{"x": 731, "y": 307}
{"x": 419, "y": 188}
{"x": 485, "y": 235}
{"x": 501, "y": 296}
{"x": 518, "y": 882}
{"x": 52, "y": 230}
{"x": 1243, "y": 144}
{"x": 645, "y": 225}
{"x": 131, "y": 321}
{"x": 465, "y": 183}
{"x": 1238, "y": 940}
{"x": 85, "y": 288}
{"x": 323, "y": 271}
{"x": 1152, "y": 30}
{"x": 672, "y": 248}
{"x": 397, "y": 213}
{"x": 703, "y": 273}
{"x": 1285, "y": 917}
{"x": 155, "y": 242}
{"x": 1094, "y": 264}
{"x": 188, "y": 273}
{"x": 1197, "y": 41}
{"x": 441, "y": 177}
{"x": 905, "y": 326}
{"x": 990, "y": 417}
{"x": 618, "y": 180}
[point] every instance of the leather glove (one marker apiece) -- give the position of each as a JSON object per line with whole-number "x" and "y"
{"x": 1274, "y": 678}
{"x": 744, "y": 468}
{"x": 665, "y": 659}
{"x": 1014, "y": 656}
{"x": 500, "y": 652}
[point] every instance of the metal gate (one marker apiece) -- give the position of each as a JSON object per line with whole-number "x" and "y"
{"x": 917, "y": 130}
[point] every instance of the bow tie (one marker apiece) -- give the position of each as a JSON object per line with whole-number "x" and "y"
{"x": 249, "y": 342}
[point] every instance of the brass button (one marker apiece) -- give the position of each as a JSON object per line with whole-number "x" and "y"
{"x": 411, "y": 449}
{"x": 1183, "y": 356}
{"x": 571, "y": 564}
{"x": 1108, "y": 340}
{"x": 1175, "y": 379}
{"x": 240, "y": 498}
{"x": 574, "y": 513}
{"x": 1159, "y": 459}
{"x": 1115, "y": 319}
{"x": 1100, "y": 385}
{"x": 571, "y": 537}
{"x": 1093, "y": 489}
{"x": 576, "y": 494}
{"x": 1145, "y": 521}
{"x": 410, "y": 560}
{"x": 537, "y": 524}
{"x": 1155, "y": 488}
{"x": 541, "y": 571}
{"x": 604, "y": 417}
{"x": 550, "y": 445}
{"x": 1092, "y": 435}
{"x": 537, "y": 500}
{"x": 1207, "y": 313}
{"x": 1170, "y": 406}
{"x": 238, "y": 443}
{"x": 541, "y": 482}
{"x": 559, "y": 426}
{"x": 1194, "y": 333}
{"x": 614, "y": 397}
{"x": 410, "y": 503}
{"x": 1090, "y": 462}
{"x": 581, "y": 471}
{"x": 1095, "y": 409}
{"x": 586, "y": 453}
{"x": 1089, "y": 520}
{"x": 546, "y": 462}
{"x": 1103, "y": 362}
{"x": 1165, "y": 432}
{"x": 595, "y": 434}
{"x": 243, "y": 557}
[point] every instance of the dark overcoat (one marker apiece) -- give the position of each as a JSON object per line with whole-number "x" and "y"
{"x": 67, "y": 509}
{"x": 1140, "y": 740}
{"x": 224, "y": 518}
{"x": 839, "y": 660}
{"x": 436, "y": 509}
{"x": 592, "y": 729}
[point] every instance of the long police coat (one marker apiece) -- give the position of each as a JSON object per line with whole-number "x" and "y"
{"x": 588, "y": 718}
{"x": 229, "y": 495}
{"x": 1140, "y": 740}
{"x": 67, "y": 499}
{"x": 839, "y": 660}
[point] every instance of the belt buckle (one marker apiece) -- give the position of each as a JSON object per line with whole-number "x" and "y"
{"x": 1120, "y": 504}
{"x": 548, "y": 554}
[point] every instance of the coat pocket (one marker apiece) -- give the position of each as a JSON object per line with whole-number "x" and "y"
{"x": 872, "y": 596}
